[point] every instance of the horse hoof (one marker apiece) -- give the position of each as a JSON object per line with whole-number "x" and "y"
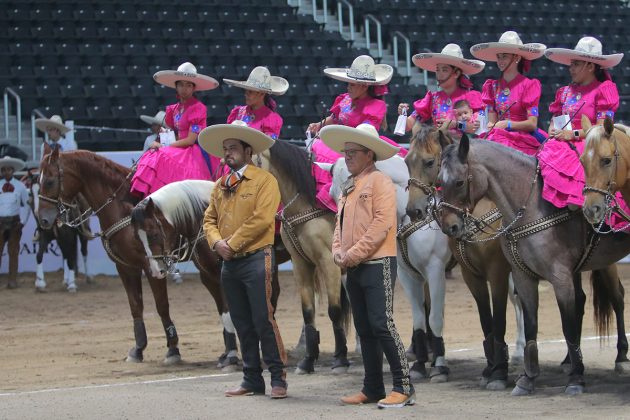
{"x": 172, "y": 360}
{"x": 496, "y": 385}
{"x": 300, "y": 371}
{"x": 439, "y": 374}
{"x": 340, "y": 370}
{"x": 516, "y": 360}
{"x": 89, "y": 279}
{"x": 483, "y": 382}
{"x": 229, "y": 369}
{"x": 574, "y": 390}
{"x": 133, "y": 359}
{"x": 519, "y": 391}
{"x": 439, "y": 379}
{"x": 416, "y": 376}
{"x": 72, "y": 289}
{"x": 40, "y": 289}
{"x": 622, "y": 368}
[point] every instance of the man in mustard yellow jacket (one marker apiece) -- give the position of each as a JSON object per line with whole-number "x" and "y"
{"x": 239, "y": 225}
{"x": 364, "y": 243}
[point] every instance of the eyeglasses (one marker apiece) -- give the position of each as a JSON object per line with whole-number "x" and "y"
{"x": 352, "y": 152}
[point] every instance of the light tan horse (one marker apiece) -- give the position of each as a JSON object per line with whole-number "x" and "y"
{"x": 481, "y": 262}
{"x": 307, "y": 233}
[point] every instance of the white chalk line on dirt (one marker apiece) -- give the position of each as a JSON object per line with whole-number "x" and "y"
{"x": 154, "y": 381}
{"x": 218, "y": 375}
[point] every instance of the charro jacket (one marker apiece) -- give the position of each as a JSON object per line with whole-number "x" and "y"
{"x": 245, "y": 217}
{"x": 366, "y": 219}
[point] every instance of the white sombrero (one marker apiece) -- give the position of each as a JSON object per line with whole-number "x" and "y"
{"x": 211, "y": 138}
{"x": 158, "y": 119}
{"x": 261, "y": 80}
{"x": 363, "y": 70}
{"x": 509, "y": 43}
{"x": 452, "y": 55}
{"x": 587, "y": 49}
{"x": 55, "y": 121}
{"x": 336, "y": 136}
{"x": 186, "y": 72}
{"x": 16, "y": 164}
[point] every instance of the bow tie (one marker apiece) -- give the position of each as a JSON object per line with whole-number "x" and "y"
{"x": 230, "y": 181}
{"x": 8, "y": 187}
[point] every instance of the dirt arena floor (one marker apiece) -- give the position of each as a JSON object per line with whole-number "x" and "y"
{"x": 63, "y": 357}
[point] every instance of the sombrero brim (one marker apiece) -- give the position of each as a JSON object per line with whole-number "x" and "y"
{"x": 382, "y": 73}
{"x": 279, "y": 86}
{"x": 211, "y": 138}
{"x": 168, "y": 78}
{"x": 488, "y": 51}
{"x": 152, "y": 120}
{"x": 16, "y": 164}
{"x": 429, "y": 62}
{"x": 42, "y": 124}
{"x": 565, "y": 55}
{"x": 336, "y": 136}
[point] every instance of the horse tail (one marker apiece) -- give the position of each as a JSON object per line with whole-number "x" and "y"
{"x": 603, "y": 287}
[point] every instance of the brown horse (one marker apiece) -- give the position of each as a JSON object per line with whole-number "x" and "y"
{"x": 307, "y": 233}
{"x": 481, "y": 262}
{"x": 105, "y": 186}
{"x": 540, "y": 241}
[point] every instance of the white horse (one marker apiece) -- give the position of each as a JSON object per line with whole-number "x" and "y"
{"x": 422, "y": 259}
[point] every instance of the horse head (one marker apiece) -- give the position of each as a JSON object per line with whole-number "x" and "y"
{"x": 460, "y": 188}
{"x": 56, "y": 188}
{"x": 154, "y": 232}
{"x": 423, "y": 163}
{"x": 606, "y": 166}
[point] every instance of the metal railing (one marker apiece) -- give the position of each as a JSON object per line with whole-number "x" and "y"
{"x": 379, "y": 36}
{"x": 340, "y": 4}
{"x": 18, "y": 115}
{"x": 398, "y": 34}
{"x": 34, "y": 114}
{"x": 325, "y": 9}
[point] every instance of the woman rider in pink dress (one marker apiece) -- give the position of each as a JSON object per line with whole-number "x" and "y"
{"x": 183, "y": 159}
{"x": 512, "y": 100}
{"x": 591, "y": 93}
{"x": 367, "y": 83}
{"x": 452, "y": 71}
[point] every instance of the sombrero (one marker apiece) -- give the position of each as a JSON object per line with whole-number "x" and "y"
{"x": 185, "y": 72}
{"x": 509, "y": 43}
{"x": 261, "y": 80}
{"x": 587, "y": 49}
{"x": 211, "y": 138}
{"x": 158, "y": 119}
{"x": 55, "y": 121}
{"x": 11, "y": 162}
{"x": 336, "y": 136}
{"x": 363, "y": 70}
{"x": 452, "y": 55}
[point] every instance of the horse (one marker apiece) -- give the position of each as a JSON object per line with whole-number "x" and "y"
{"x": 606, "y": 169}
{"x": 481, "y": 263}
{"x": 106, "y": 190}
{"x": 540, "y": 241}
{"x": 422, "y": 259}
{"x": 307, "y": 233}
{"x": 66, "y": 237}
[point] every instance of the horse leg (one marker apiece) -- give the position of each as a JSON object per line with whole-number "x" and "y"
{"x": 338, "y": 311}
{"x": 413, "y": 285}
{"x": 160, "y": 294}
{"x": 479, "y": 290}
{"x": 67, "y": 240}
{"x": 305, "y": 278}
{"x": 437, "y": 290}
{"x": 42, "y": 244}
{"x": 83, "y": 242}
{"x": 608, "y": 294}
{"x": 528, "y": 295}
{"x": 580, "y": 303}
{"x": 499, "y": 278}
{"x": 519, "y": 351}
{"x": 132, "y": 281}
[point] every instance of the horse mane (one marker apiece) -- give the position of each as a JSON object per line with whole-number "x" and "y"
{"x": 183, "y": 203}
{"x": 451, "y": 152}
{"x": 421, "y": 138}
{"x": 295, "y": 164}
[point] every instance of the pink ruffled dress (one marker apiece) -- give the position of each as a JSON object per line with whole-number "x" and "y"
{"x": 350, "y": 113}
{"x": 167, "y": 164}
{"x": 560, "y": 166}
{"x": 438, "y": 105}
{"x": 516, "y": 101}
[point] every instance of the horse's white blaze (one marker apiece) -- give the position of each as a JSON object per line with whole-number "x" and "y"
{"x": 445, "y": 174}
{"x": 153, "y": 265}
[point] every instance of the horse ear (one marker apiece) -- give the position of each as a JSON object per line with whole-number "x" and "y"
{"x": 609, "y": 127}
{"x": 444, "y": 139}
{"x": 47, "y": 149}
{"x": 464, "y": 147}
{"x": 586, "y": 123}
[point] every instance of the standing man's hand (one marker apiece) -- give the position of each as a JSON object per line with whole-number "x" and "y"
{"x": 338, "y": 259}
{"x": 224, "y": 250}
